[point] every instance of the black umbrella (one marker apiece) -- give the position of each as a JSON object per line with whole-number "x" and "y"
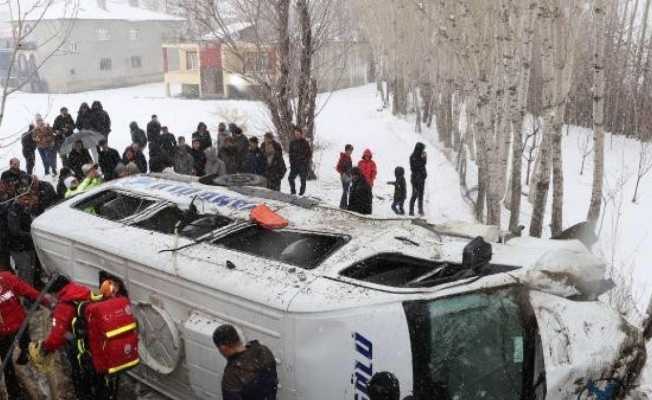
{"x": 89, "y": 138}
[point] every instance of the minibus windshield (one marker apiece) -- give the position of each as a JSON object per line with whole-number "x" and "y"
{"x": 473, "y": 346}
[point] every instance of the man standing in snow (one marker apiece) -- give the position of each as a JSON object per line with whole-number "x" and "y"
{"x": 275, "y": 167}
{"x": 344, "y": 167}
{"x": 168, "y": 145}
{"x": 63, "y": 127}
{"x": 418, "y": 161}
{"x": 154, "y": 139}
{"x": 137, "y": 135}
{"x": 108, "y": 160}
{"x": 43, "y": 136}
{"x": 12, "y": 177}
{"x": 19, "y": 221}
{"x": 241, "y": 144}
{"x": 368, "y": 167}
{"x": 183, "y": 161}
{"x": 29, "y": 150}
{"x": 300, "y": 158}
{"x": 99, "y": 119}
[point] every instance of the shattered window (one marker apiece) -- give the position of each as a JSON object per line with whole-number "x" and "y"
{"x": 113, "y": 205}
{"x": 190, "y": 225}
{"x": 469, "y": 347}
{"x": 302, "y": 249}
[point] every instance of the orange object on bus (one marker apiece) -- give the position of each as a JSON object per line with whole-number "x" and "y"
{"x": 264, "y": 217}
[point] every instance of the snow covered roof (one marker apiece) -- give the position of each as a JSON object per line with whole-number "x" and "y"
{"x": 231, "y": 30}
{"x": 91, "y": 10}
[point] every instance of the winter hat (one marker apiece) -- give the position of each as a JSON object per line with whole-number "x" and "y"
{"x": 384, "y": 386}
{"x": 399, "y": 171}
{"x": 69, "y": 182}
{"x": 86, "y": 168}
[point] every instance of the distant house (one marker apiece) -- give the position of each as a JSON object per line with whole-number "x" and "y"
{"x": 111, "y": 43}
{"x": 207, "y": 68}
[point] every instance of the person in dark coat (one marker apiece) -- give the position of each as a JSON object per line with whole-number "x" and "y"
{"x": 84, "y": 117}
{"x": 154, "y": 140}
{"x": 250, "y": 372}
{"x": 45, "y": 196}
{"x": 108, "y": 160}
{"x": 21, "y": 246}
{"x": 4, "y": 229}
{"x": 344, "y": 167}
{"x": 255, "y": 163}
{"x": 400, "y": 191}
{"x": 134, "y": 154}
{"x": 100, "y": 121}
{"x": 11, "y": 178}
{"x": 168, "y": 145}
{"x": 29, "y": 150}
{"x": 300, "y": 158}
{"x": 203, "y": 135}
{"x": 241, "y": 144}
{"x": 418, "y": 161}
{"x": 275, "y": 163}
{"x": 77, "y": 157}
{"x": 360, "y": 198}
{"x": 137, "y": 135}
{"x": 64, "y": 173}
{"x": 199, "y": 157}
{"x": 184, "y": 163}
{"x": 228, "y": 154}
{"x": 63, "y": 126}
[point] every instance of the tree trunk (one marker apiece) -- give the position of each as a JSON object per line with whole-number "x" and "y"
{"x": 547, "y": 23}
{"x": 598, "y": 110}
{"x": 279, "y": 104}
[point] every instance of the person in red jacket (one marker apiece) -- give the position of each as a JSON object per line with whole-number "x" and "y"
{"x": 368, "y": 167}
{"x": 12, "y": 316}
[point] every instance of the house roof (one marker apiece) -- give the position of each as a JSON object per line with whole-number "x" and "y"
{"x": 90, "y": 10}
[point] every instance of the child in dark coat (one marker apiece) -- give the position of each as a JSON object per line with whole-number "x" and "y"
{"x": 400, "y": 191}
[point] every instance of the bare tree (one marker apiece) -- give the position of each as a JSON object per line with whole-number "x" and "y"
{"x": 25, "y": 19}
{"x": 599, "y": 12}
{"x": 585, "y": 146}
{"x": 644, "y": 166}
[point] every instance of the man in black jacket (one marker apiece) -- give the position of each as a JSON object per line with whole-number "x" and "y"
{"x": 250, "y": 372}
{"x": 108, "y": 160}
{"x": 154, "y": 140}
{"x": 168, "y": 145}
{"x": 63, "y": 127}
{"x": 360, "y": 198}
{"x": 12, "y": 177}
{"x": 137, "y": 135}
{"x": 77, "y": 157}
{"x": 100, "y": 120}
{"x": 21, "y": 247}
{"x": 418, "y": 162}
{"x": 300, "y": 158}
{"x": 241, "y": 144}
{"x": 203, "y": 135}
{"x": 29, "y": 150}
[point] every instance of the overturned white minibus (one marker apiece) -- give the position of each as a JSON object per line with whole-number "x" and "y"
{"x": 339, "y": 297}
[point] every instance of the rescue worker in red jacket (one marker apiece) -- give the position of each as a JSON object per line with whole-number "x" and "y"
{"x": 12, "y": 316}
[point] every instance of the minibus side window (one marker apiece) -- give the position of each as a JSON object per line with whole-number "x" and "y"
{"x": 113, "y": 205}
{"x": 302, "y": 249}
{"x": 190, "y": 225}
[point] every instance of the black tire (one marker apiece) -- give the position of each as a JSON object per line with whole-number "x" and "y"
{"x": 236, "y": 180}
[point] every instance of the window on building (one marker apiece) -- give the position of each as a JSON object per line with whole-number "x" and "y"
{"x": 106, "y": 64}
{"x": 192, "y": 61}
{"x": 256, "y": 62}
{"x": 103, "y": 34}
{"x": 134, "y": 34}
{"x": 136, "y": 62}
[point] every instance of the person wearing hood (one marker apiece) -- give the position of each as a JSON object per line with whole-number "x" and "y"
{"x": 21, "y": 246}
{"x": 228, "y": 154}
{"x": 368, "y": 167}
{"x": 108, "y": 160}
{"x": 344, "y": 167}
{"x": 400, "y": 191}
{"x": 418, "y": 162}
{"x": 63, "y": 126}
{"x": 275, "y": 167}
{"x": 360, "y": 198}
{"x": 137, "y": 135}
{"x": 72, "y": 184}
{"x": 29, "y": 150}
{"x": 100, "y": 121}
{"x": 300, "y": 158}
{"x": 77, "y": 157}
{"x": 154, "y": 140}
{"x": 199, "y": 158}
{"x": 255, "y": 163}
{"x": 203, "y": 135}
{"x": 214, "y": 165}
{"x": 184, "y": 163}
{"x": 84, "y": 118}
